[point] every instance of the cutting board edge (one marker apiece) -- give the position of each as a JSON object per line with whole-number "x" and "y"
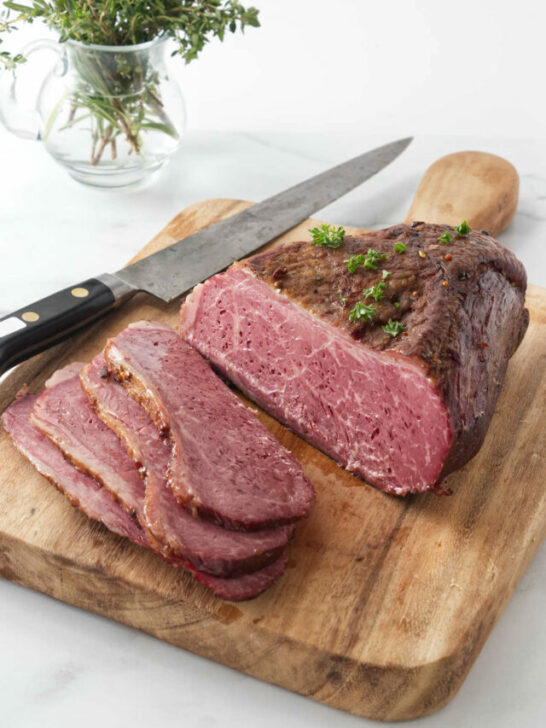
{"x": 338, "y": 681}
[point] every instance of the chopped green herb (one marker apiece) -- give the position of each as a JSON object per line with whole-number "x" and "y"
{"x": 377, "y": 291}
{"x": 372, "y": 259}
{"x": 463, "y": 229}
{"x": 328, "y": 235}
{"x": 445, "y": 237}
{"x": 396, "y": 304}
{"x": 353, "y": 262}
{"x": 400, "y": 248}
{"x": 361, "y": 312}
{"x": 393, "y": 327}
{"x": 342, "y": 298}
{"x": 385, "y": 274}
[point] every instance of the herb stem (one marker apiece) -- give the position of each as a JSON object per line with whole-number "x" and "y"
{"x": 100, "y": 21}
{"x": 95, "y": 159}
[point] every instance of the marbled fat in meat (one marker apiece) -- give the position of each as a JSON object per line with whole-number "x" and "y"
{"x": 225, "y": 463}
{"x": 401, "y": 412}
{"x": 171, "y": 528}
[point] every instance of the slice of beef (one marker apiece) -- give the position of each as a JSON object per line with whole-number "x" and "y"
{"x": 225, "y": 464}
{"x": 245, "y": 587}
{"x": 81, "y": 490}
{"x": 66, "y": 372}
{"x": 63, "y": 413}
{"x": 171, "y": 528}
{"x": 95, "y": 501}
{"x": 402, "y": 410}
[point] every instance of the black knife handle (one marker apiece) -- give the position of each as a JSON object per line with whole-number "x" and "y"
{"x": 46, "y": 322}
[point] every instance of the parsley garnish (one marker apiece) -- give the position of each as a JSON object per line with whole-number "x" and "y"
{"x": 393, "y": 327}
{"x": 463, "y": 229}
{"x": 372, "y": 259}
{"x": 445, "y": 237}
{"x": 377, "y": 291}
{"x": 385, "y": 274}
{"x": 342, "y": 298}
{"x": 396, "y": 304}
{"x": 400, "y": 248}
{"x": 361, "y": 312}
{"x": 328, "y": 235}
{"x": 353, "y": 262}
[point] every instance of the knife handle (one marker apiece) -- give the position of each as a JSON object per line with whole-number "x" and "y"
{"x": 52, "y": 319}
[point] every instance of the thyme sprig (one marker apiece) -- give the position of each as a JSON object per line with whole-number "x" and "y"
{"x": 190, "y": 23}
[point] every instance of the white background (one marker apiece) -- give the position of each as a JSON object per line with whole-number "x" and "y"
{"x": 318, "y": 83}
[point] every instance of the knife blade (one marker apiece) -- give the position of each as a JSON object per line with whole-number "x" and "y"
{"x": 173, "y": 271}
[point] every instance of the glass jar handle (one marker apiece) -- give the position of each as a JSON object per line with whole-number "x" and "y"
{"x": 26, "y": 123}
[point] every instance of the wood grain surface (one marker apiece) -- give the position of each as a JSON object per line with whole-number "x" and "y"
{"x": 479, "y": 187}
{"x": 386, "y": 602}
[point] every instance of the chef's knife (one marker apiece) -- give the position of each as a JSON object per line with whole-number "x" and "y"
{"x": 175, "y": 270}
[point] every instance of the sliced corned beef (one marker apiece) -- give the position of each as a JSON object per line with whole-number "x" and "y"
{"x": 247, "y": 586}
{"x": 81, "y": 490}
{"x": 387, "y": 353}
{"x": 96, "y": 502}
{"x": 64, "y": 413}
{"x": 225, "y": 464}
{"x": 171, "y": 528}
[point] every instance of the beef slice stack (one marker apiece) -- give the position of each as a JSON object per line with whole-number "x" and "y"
{"x": 149, "y": 441}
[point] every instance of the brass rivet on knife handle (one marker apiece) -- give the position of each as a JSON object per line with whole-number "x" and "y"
{"x": 79, "y": 292}
{"x": 478, "y": 187}
{"x": 30, "y": 316}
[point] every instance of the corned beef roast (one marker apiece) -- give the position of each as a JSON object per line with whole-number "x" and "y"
{"x": 225, "y": 465}
{"x": 387, "y": 353}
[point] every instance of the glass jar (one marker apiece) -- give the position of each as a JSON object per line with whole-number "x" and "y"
{"x": 109, "y": 114}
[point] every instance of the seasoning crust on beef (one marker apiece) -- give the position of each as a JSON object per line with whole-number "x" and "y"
{"x": 317, "y": 278}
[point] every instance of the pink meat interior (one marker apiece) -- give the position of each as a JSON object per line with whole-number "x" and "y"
{"x": 375, "y": 413}
{"x": 225, "y": 462}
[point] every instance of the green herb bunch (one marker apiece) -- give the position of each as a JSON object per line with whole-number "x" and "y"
{"x": 190, "y": 23}
{"x": 122, "y": 97}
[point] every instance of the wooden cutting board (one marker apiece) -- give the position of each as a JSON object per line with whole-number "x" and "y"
{"x": 386, "y": 602}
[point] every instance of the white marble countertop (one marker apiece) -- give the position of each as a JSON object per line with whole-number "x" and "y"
{"x": 61, "y": 666}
